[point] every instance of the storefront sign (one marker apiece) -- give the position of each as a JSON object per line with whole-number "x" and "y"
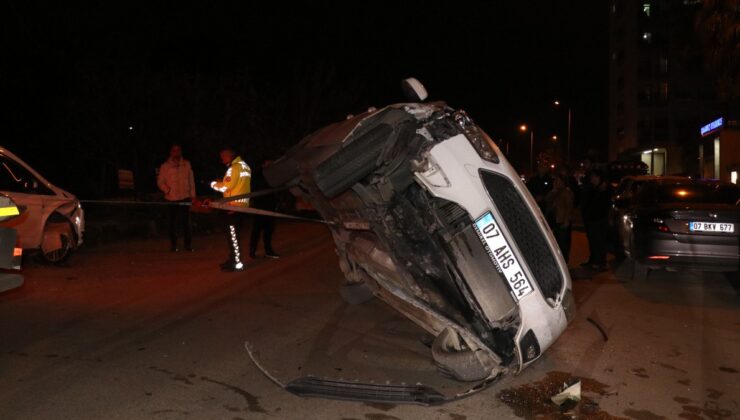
{"x": 712, "y": 126}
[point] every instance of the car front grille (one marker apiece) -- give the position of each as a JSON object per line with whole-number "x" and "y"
{"x": 525, "y": 230}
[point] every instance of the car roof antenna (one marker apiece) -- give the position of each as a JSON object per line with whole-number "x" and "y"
{"x": 414, "y": 90}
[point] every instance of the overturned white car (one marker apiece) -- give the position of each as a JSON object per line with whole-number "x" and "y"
{"x": 430, "y": 217}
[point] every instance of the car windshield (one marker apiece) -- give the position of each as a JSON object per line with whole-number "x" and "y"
{"x": 689, "y": 193}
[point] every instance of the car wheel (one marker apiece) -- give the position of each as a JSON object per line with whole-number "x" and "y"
{"x": 58, "y": 242}
{"x": 353, "y": 162}
{"x": 454, "y": 361}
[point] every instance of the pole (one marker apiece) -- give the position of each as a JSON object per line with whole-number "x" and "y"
{"x": 568, "y": 152}
{"x": 531, "y": 152}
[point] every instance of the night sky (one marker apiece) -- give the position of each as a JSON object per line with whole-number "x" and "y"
{"x": 73, "y": 79}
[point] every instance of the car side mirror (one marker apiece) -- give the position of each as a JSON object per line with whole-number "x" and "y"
{"x": 414, "y": 90}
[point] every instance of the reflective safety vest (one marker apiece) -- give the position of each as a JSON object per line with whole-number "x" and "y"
{"x": 8, "y": 209}
{"x": 237, "y": 181}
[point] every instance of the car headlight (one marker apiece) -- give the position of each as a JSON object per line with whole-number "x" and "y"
{"x": 478, "y": 139}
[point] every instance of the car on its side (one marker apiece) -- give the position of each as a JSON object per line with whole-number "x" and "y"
{"x": 53, "y": 221}
{"x": 428, "y": 215}
{"x": 682, "y": 224}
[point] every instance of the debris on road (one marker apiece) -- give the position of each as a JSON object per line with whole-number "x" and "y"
{"x": 571, "y": 391}
{"x": 535, "y": 399}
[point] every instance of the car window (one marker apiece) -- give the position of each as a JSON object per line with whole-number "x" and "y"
{"x": 16, "y": 178}
{"x": 689, "y": 193}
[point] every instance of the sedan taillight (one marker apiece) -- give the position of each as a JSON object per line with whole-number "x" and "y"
{"x": 661, "y": 225}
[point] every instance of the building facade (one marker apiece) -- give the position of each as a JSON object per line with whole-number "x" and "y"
{"x": 658, "y": 94}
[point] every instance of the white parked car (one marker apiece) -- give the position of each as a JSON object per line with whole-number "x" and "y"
{"x": 52, "y": 221}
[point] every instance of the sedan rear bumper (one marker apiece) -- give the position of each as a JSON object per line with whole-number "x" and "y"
{"x": 661, "y": 250}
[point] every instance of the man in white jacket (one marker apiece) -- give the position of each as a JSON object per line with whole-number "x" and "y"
{"x": 175, "y": 179}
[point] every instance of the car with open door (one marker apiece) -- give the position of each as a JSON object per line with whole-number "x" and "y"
{"x": 10, "y": 253}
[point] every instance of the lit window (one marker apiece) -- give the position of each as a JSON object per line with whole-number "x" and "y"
{"x": 646, "y": 9}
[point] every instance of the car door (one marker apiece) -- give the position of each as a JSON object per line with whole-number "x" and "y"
{"x": 30, "y": 194}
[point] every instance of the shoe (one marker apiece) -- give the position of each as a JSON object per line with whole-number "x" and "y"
{"x": 174, "y": 249}
{"x": 231, "y": 267}
{"x": 586, "y": 264}
{"x": 189, "y": 249}
{"x": 272, "y": 255}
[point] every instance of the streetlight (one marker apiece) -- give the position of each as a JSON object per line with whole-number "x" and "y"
{"x": 557, "y": 104}
{"x": 523, "y": 129}
{"x": 554, "y": 137}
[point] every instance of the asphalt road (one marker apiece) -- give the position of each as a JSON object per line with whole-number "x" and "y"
{"x": 133, "y": 331}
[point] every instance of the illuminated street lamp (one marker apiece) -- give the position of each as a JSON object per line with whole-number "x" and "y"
{"x": 554, "y": 137}
{"x": 557, "y": 105}
{"x": 523, "y": 128}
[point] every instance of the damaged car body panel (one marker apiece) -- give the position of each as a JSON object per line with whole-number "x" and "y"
{"x": 53, "y": 222}
{"x": 428, "y": 216}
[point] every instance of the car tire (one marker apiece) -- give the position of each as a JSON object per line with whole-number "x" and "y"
{"x": 356, "y": 293}
{"x": 460, "y": 364}
{"x": 353, "y": 162}
{"x": 67, "y": 238}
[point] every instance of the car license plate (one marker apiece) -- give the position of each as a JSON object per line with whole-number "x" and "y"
{"x": 502, "y": 255}
{"x": 711, "y": 227}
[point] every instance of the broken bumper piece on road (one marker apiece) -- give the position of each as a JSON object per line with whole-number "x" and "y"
{"x": 355, "y": 390}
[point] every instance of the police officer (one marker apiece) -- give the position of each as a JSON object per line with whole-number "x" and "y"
{"x": 237, "y": 181}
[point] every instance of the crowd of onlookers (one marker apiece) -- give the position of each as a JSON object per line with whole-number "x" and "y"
{"x": 561, "y": 193}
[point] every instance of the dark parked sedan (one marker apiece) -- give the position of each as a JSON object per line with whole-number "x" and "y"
{"x": 690, "y": 225}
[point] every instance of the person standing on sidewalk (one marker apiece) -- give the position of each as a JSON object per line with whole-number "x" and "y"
{"x": 559, "y": 204}
{"x": 262, "y": 225}
{"x": 175, "y": 180}
{"x": 237, "y": 181}
{"x": 595, "y": 207}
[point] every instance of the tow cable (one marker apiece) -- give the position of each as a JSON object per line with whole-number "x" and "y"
{"x": 219, "y": 204}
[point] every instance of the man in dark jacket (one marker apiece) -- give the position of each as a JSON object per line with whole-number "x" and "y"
{"x": 595, "y": 201}
{"x": 264, "y": 225}
{"x": 540, "y": 184}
